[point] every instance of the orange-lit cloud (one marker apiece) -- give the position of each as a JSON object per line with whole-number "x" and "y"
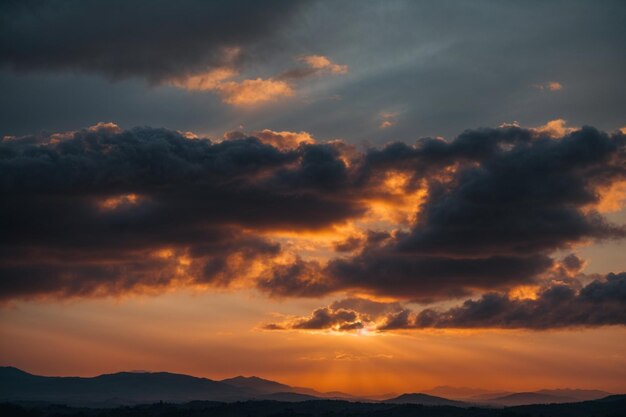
{"x": 283, "y": 140}
{"x": 320, "y": 62}
{"x": 113, "y": 203}
{"x": 555, "y": 128}
{"x": 553, "y": 304}
{"x": 397, "y": 201}
{"x": 387, "y": 119}
{"x": 237, "y": 93}
{"x": 550, "y": 86}
{"x": 297, "y": 217}
{"x": 252, "y": 92}
{"x": 207, "y": 81}
{"x": 612, "y": 197}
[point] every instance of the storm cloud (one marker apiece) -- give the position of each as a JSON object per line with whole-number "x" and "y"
{"x": 152, "y": 40}
{"x": 499, "y": 203}
{"x": 104, "y": 211}
{"x": 602, "y": 302}
{"x": 558, "y": 304}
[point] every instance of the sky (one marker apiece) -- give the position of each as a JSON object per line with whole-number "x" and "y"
{"x": 366, "y": 196}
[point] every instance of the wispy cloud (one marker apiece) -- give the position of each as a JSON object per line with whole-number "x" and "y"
{"x": 549, "y": 86}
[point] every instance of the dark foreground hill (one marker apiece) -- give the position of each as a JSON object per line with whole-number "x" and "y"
{"x": 424, "y": 399}
{"x": 131, "y": 388}
{"x": 548, "y": 397}
{"x": 614, "y": 406}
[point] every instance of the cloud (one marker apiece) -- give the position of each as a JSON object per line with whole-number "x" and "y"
{"x": 105, "y": 211}
{"x": 296, "y": 279}
{"x": 387, "y": 119}
{"x": 251, "y": 92}
{"x": 315, "y": 65}
{"x": 602, "y": 302}
{"x": 550, "y": 86}
{"x": 146, "y": 210}
{"x": 198, "y": 47}
{"x": 243, "y": 93}
{"x": 207, "y": 81}
{"x": 555, "y": 128}
{"x": 345, "y": 315}
{"x": 499, "y": 203}
{"x": 137, "y": 39}
{"x": 325, "y": 318}
{"x": 281, "y": 140}
{"x": 560, "y": 303}
{"x": 320, "y": 62}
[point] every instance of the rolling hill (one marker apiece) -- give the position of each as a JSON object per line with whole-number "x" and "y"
{"x": 424, "y": 399}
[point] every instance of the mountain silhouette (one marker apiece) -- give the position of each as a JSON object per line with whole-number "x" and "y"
{"x": 525, "y": 398}
{"x": 423, "y": 399}
{"x": 576, "y": 394}
{"x": 256, "y": 384}
{"x": 265, "y": 386}
{"x": 613, "y": 406}
{"x": 139, "y": 387}
{"x": 459, "y": 392}
{"x": 118, "y": 388}
{"x": 144, "y": 387}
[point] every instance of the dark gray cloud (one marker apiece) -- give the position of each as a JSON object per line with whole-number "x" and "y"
{"x": 106, "y": 210}
{"x": 514, "y": 197}
{"x": 428, "y": 278}
{"x": 297, "y": 279}
{"x": 559, "y": 304}
{"x": 602, "y": 302}
{"x": 103, "y": 211}
{"x": 442, "y": 67}
{"x": 148, "y": 39}
{"x": 323, "y": 319}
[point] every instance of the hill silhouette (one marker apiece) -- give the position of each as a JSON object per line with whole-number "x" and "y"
{"x": 424, "y": 399}
{"x": 546, "y": 396}
{"x": 139, "y": 387}
{"x": 265, "y": 386}
{"x": 256, "y": 384}
{"x": 117, "y": 388}
{"x": 145, "y": 387}
{"x": 613, "y": 406}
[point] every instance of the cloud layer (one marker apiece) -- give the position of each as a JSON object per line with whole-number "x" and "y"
{"x": 153, "y": 40}
{"x": 107, "y": 211}
{"x": 559, "y": 304}
{"x": 500, "y": 201}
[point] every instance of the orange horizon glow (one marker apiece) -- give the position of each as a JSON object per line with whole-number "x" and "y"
{"x": 351, "y": 363}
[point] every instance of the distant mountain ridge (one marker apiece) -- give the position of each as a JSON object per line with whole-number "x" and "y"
{"x": 457, "y": 392}
{"x": 137, "y": 387}
{"x": 424, "y": 399}
{"x": 546, "y": 396}
{"x": 266, "y": 386}
{"x": 118, "y": 388}
{"x": 504, "y": 398}
{"x": 257, "y": 384}
{"x": 612, "y": 406}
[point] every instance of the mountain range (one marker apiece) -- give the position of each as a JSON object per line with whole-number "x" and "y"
{"x": 127, "y": 388}
{"x": 507, "y": 398}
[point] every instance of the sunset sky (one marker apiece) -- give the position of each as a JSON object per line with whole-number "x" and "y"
{"x": 366, "y": 196}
